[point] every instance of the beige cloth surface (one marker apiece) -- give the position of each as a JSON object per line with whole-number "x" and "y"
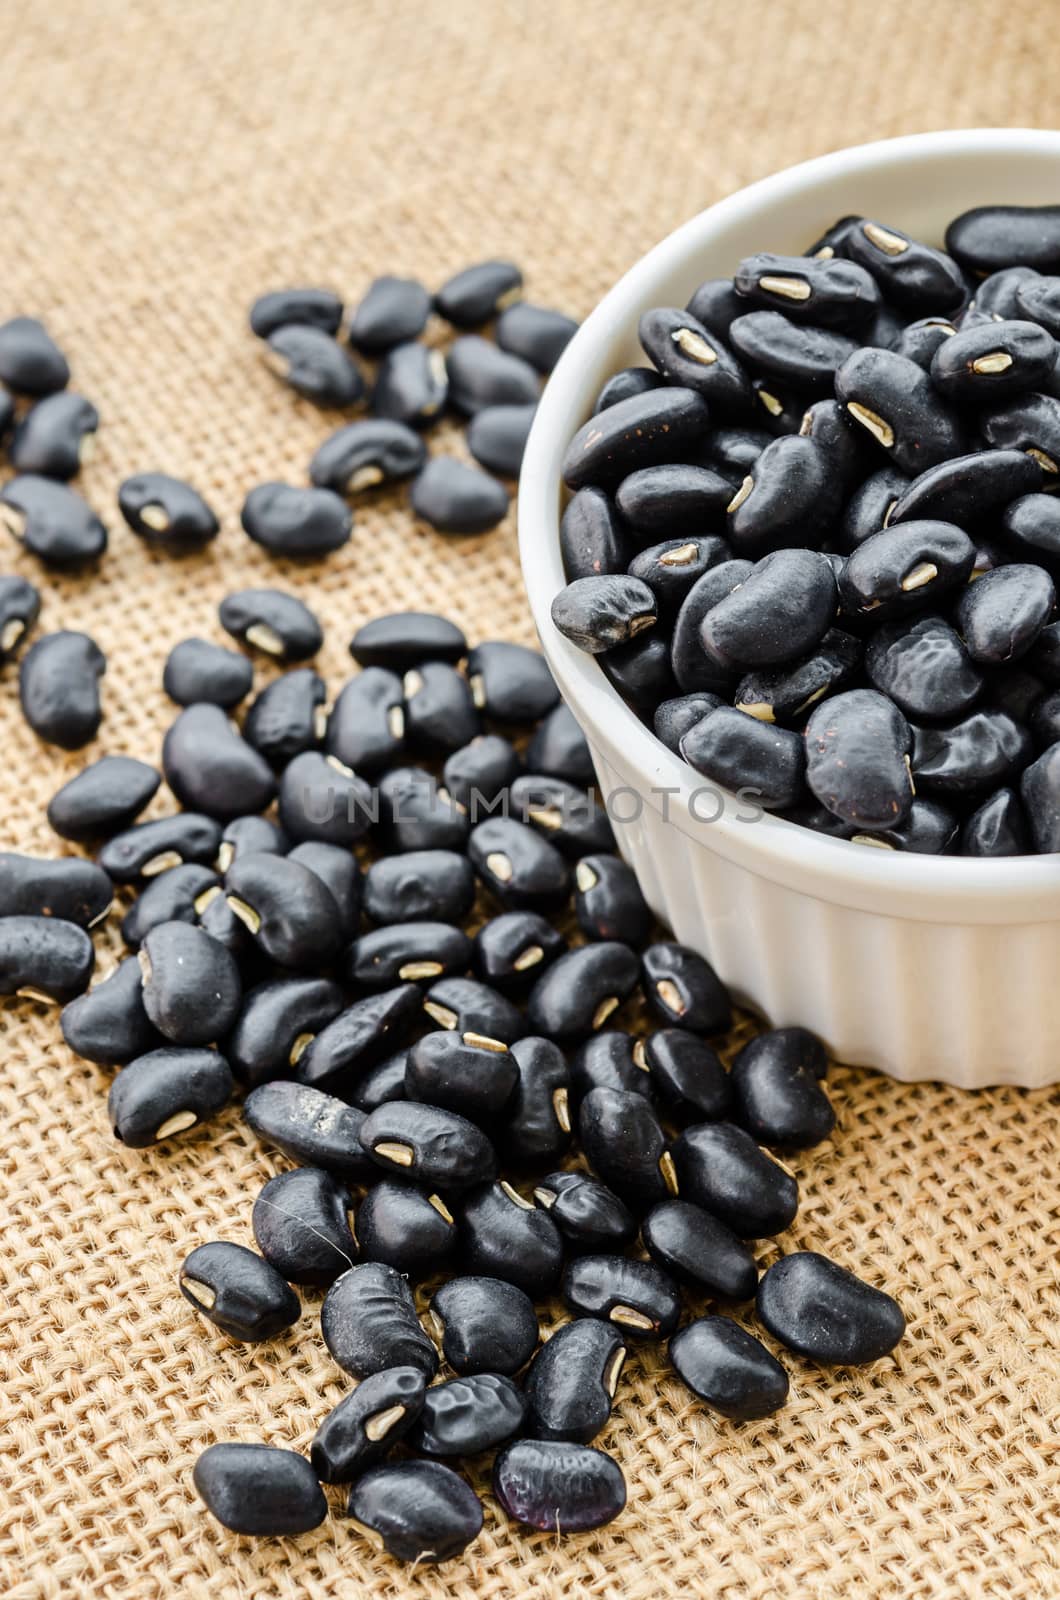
{"x": 164, "y": 163}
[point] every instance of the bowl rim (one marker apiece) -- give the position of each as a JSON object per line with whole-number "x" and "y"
{"x": 935, "y": 888}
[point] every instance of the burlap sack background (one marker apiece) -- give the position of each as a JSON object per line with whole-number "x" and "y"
{"x": 162, "y": 164}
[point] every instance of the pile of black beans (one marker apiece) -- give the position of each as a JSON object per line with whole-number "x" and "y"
{"x": 359, "y": 920}
{"x": 815, "y": 543}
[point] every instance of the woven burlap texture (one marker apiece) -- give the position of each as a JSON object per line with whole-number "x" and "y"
{"x": 163, "y": 164}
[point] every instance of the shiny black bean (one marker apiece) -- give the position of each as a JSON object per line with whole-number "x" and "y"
{"x": 287, "y": 717}
{"x": 608, "y": 901}
{"x": 311, "y": 1127}
{"x": 573, "y": 819}
{"x": 983, "y": 751}
{"x": 302, "y": 1224}
{"x": 365, "y": 1426}
{"x": 419, "y": 886}
{"x": 1002, "y": 613}
{"x": 673, "y": 498}
{"x": 108, "y": 1023}
{"x": 1040, "y": 793}
{"x": 646, "y": 430}
{"x": 557, "y": 1486}
{"x": 405, "y": 1228}
{"x": 641, "y": 672}
{"x": 463, "y": 1005}
{"x": 897, "y": 403}
{"x": 245, "y": 1296}
{"x": 778, "y": 614}
{"x": 1031, "y": 526}
{"x": 779, "y": 412}
{"x": 537, "y": 1125}
{"x": 256, "y": 1489}
{"x": 857, "y": 747}
{"x": 871, "y": 506}
{"x": 747, "y": 756}
{"x": 698, "y": 1250}
{"x": 1030, "y": 422}
{"x": 174, "y": 896}
{"x": 502, "y": 1235}
{"x": 293, "y": 521}
{"x": 733, "y": 451}
{"x": 819, "y": 1309}
{"x": 626, "y": 384}
{"x": 54, "y": 435}
{"x": 166, "y": 1092}
{"x": 408, "y": 952}
{"x": 363, "y": 455}
{"x": 416, "y": 813}
{"x": 475, "y": 294}
{"x": 468, "y": 1415}
{"x": 843, "y": 445}
{"x": 70, "y": 889}
{"x": 672, "y": 568}
{"x": 199, "y": 672}
{"x": 277, "y": 1020}
{"x": 481, "y": 374}
{"x": 30, "y": 360}
{"x": 484, "y": 1325}
{"x": 536, "y": 333}
{"x": 524, "y": 871}
{"x": 379, "y": 1084}
{"x": 512, "y": 950}
{"x": 411, "y": 385}
{"x": 636, "y": 1295}
{"x": 802, "y": 357}
{"x": 921, "y": 339}
{"x": 594, "y": 540}
{"x": 572, "y": 1381}
{"x": 366, "y": 726}
{"x": 148, "y": 848}
{"x": 191, "y": 985}
{"x": 288, "y": 910}
{"x": 609, "y": 1060}
{"x": 784, "y": 694}
{"x": 211, "y": 768}
{"x": 968, "y": 490}
{"x": 417, "y": 1511}
{"x": 930, "y": 829}
{"x": 687, "y": 353}
{"x": 905, "y": 565}
{"x": 624, "y": 1143}
{"x": 791, "y": 481}
{"x": 276, "y": 623}
{"x": 993, "y": 359}
{"x": 777, "y": 1094}
{"x": 51, "y": 521}
{"x": 314, "y": 365}
{"x": 58, "y": 688}
{"x": 167, "y": 512}
{"x": 510, "y": 683}
{"x": 313, "y": 308}
{"x": 722, "y": 1169}
{"x": 359, "y": 1036}
{"x": 440, "y": 713}
{"x": 428, "y": 1145}
{"x": 828, "y": 293}
{"x": 44, "y": 959}
{"x": 478, "y": 773}
{"x": 19, "y": 610}
{"x": 588, "y": 1215}
{"x": 672, "y": 719}
{"x": 321, "y": 798}
{"x": 1039, "y": 300}
{"x": 392, "y": 311}
{"x": 465, "y": 1072}
{"x": 729, "y": 1369}
{"x": 997, "y": 296}
{"x": 996, "y": 828}
{"x": 497, "y": 435}
{"x": 686, "y": 1074}
{"x": 914, "y": 277}
{"x": 581, "y": 990}
{"x": 924, "y": 668}
{"x": 598, "y": 613}
{"x": 369, "y": 1323}
{"x": 988, "y": 238}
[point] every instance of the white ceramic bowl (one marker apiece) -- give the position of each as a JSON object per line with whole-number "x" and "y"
{"x": 927, "y": 967}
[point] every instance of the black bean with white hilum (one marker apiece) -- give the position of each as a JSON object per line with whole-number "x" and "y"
{"x": 884, "y": 419}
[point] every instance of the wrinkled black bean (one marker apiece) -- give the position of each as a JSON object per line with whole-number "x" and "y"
{"x": 198, "y": 672}
{"x": 440, "y": 713}
{"x": 420, "y": 1511}
{"x": 369, "y": 1323}
{"x": 791, "y": 481}
{"x": 363, "y": 455}
{"x": 1002, "y": 613}
{"x": 512, "y": 950}
{"x": 871, "y": 506}
{"x": 54, "y": 435}
{"x": 594, "y": 541}
{"x": 581, "y": 990}
{"x": 524, "y": 871}
{"x": 108, "y": 1023}
{"x": 278, "y": 624}
{"x": 465, "y": 1072}
{"x": 416, "y": 813}
{"x": 19, "y": 610}
{"x": 44, "y": 958}
{"x": 287, "y": 717}
{"x": 392, "y": 311}
{"x": 776, "y": 1091}
{"x": 311, "y": 1127}
{"x": 497, "y": 435}
{"x": 1030, "y": 422}
{"x": 636, "y": 1295}
{"x": 672, "y": 719}
{"x": 897, "y": 403}
{"x": 996, "y": 828}
{"x": 69, "y": 888}
{"x": 729, "y": 1368}
{"x": 293, "y": 521}
{"x": 286, "y": 907}
{"x": 687, "y": 353}
{"x": 784, "y": 694}
{"x": 167, "y": 512}
{"x": 988, "y": 238}
{"x": 166, "y": 1092}
{"x": 359, "y": 1036}
{"x": 365, "y": 1426}
{"x": 211, "y": 768}
{"x": 366, "y": 726}
{"x": 379, "y": 1084}
{"x": 608, "y": 901}
{"x": 239, "y": 1291}
{"x": 601, "y": 612}
{"x": 537, "y": 1125}
{"x": 322, "y": 798}
{"x": 572, "y": 1381}
{"x": 174, "y": 896}
{"x": 924, "y": 668}
{"x": 405, "y": 1228}
{"x": 478, "y": 773}
{"x": 313, "y": 308}
{"x": 58, "y": 688}
{"x": 467, "y": 1415}
{"x": 558, "y": 1487}
{"x": 1040, "y": 793}
{"x": 857, "y": 747}
{"x": 819, "y": 1309}
{"x": 983, "y": 751}
{"x": 148, "y": 848}
{"x": 301, "y": 1221}
{"x": 624, "y": 1143}
{"x": 643, "y": 431}
{"x": 481, "y": 374}
{"x": 969, "y": 489}
{"x": 747, "y": 756}
{"x": 914, "y": 277}
{"x": 474, "y": 295}
{"x": 504, "y": 1236}
{"x": 52, "y": 521}
{"x": 464, "y": 1005}
{"x": 722, "y": 1169}
{"x": 484, "y": 1325}
{"x": 1031, "y": 527}
{"x": 428, "y": 1145}
{"x": 419, "y": 886}
{"x": 257, "y": 1489}
{"x": 698, "y": 1250}
{"x": 586, "y": 1212}
{"x": 686, "y": 1074}
{"x": 314, "y": 364}
{"x": 828, "y": 293}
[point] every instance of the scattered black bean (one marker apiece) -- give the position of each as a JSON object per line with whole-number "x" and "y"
{"x": 277, "y": 1020}
{"x": 686, "y": 1074}
{"x": 69, "y": 889}
{"x": 409, "y": 952}
{"x": 419, "y": 886}
{"x": 148, "y": 848}
{"x": 312, "y": 308}
{"x": 819, "y": 1309}
{"x": 276, "y": 623}
{"x": 197, "y": 671}
{"x": 896, "y": 402}
{"x": 467, "y": 1415}
{"x": 58, "y": 688}
{"x": 502, "y": 1235}
{"x": 698, "y": 1250}
{"x": 465, "y": 1072}
{"x": 573, "y": 819}
{"x": 456, "y": 498}
{"x": 245, "y": 1296}
{"x": 359, "y": 1036}
{"x": 301, "y": 1221}
{"x": 392, "y": 311}
{"x": 256, "y": 1489}
{"x": 474, "y": 295}
{"x": 428, "y": 1145}
{"x": 722, "y": 1169}
{"x": 683, "y": 990}
{"x": 369, "y": 1323}
{"x": 191, "y": 985}
{"x": 288, "y": 910}
{"x": 729, "y": 1369}
{"x": 484, "y": 1325}
{"x": 166, "y": 1092}
{"x": 581, "y": 990}
{"x": 108, "y": 1023}
{"x": 54, "y": 435}
{"x": 476, "y": 775}
{"x": 924, "y": 668}
{"x": 363, "y": 455}
{"x": 510, "y": 683}
{"x": 497, "y": 435}
{"x": 211, "y": 768}
{"x": 523, "y": 870}
{"x": 380, "y": 1084}
{"x": 167, "y": 512}
{"x": 314, "y": 364}
{"x": 411, "y": 386}
{"x": 625, "y": 1144}
{"x": 572, "y": 1381}
{"x": 440, "y": 712}
{"x": 311, "y": 1127}
{"x": 609, "y": 1060}
{"x": 608, "y": 901}
{"x": 558, "y": 1487}
{"x": 466, "y": 1006}
{"x": 406, "y": 1228}
{"x": 174, "y": 896}
{"x": 365, "y": 1426}
{"x": 30, "y": 361}
{"x": 777, "y": 1094}
{"x": 559, "y": 748}
{"x": 642, "y": 1300}
{"x": 290, "y": 521}
{"x": 19, "y": 610}
{"x": 588, "y": 1215}
{"x": 511, "y": 951}
{"x": 687, "y": 353}
{"x": 52, "y": 521}
{"x": 44, "y": 959}
{"x": 417, "y": 813}
{"x": 418, "y": 1511}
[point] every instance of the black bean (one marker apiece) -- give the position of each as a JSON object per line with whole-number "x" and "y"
{"x": 256, "y": 1489}
{"x": 857, "y": 747}
{"x": 215, "y": 916}
{"x": 465, "y": 1072}
{"x": 484, "y": 1324}
{"x": 778, "y": 614}
{"x": 277, "y": 1020}
{"x": 643, "y": 431}
{"x": 991, "y": 360}
{"x": 287, "y": 717}
{"x": 392, "y": 311}
{"x": 729, "y": 1369}
{"x": 849, "y": 453}
{"x": 44, "y": 958}
{"x": 609, "y": 1060}
{"x": 573, "y": 819}
{"x": 30, "y": 361}
{"x": 698, "y": 1250}
{"x": 174, "y": 896}
{"x": 686, "y": 1073}
{"x": 313, "y": 308}
{"x": 197, "y": 672}
{"x": 537, "y": 1126}
{"x": 19, "y": 610}
{"x": 904, "y": 565}
{"x": 302, "y": 1224}
{"x": 366, "y": 1425}
{"x": 599, "y": 613}
{"x": 693, "y": 669}
{"x": 608, "y": 900}
{"x": 785, "y": 694}
{"x": 687, "y": 353}
{"x": 641, "y": 672}
{"x": 417, "y": 1511}
{"x": 588, "y": 1215}
{"x": 456, "y": 498}
{"x": 404, "y": 639}
{"x": 871, "y": 506}
{"x": 288, "y": 910}
{"x": 504, "y": 1236}
{"x": 411, "y": 385}
{"x": 829, "y": 293}
{"x": 629, "y": 382}
{"x": 777, "y": 1095}
{"x": 58, "y": 688}
{"x": 924, "y": 668}
{"x": 321, "y": 798}
{"x": 1014, "y": 691}
{"x": 670, "y": 569}
{"x": 1039, "y": 300}
{"x": 734, "y": 451}
{"x": 914, "y": 277}
{"x": 474, "y": 295}
{"x": 512, "y": 950}
{"x": 1002, "y": 613}
{"x": 792, "y": 480}
{"x": 1030, "y": 422}
{"x": 991, "y": 237}
{"x": 800, "y": 356}
{"x": 969, "y": 489}
{"x": 250, "y": 835}
{"x": 419, "y": 886}
{"x": 211, "y": 768}
{"x": 440, "y": 713}
{"x": 1031, "y": 526}
{"x": 921, "y": 339}
{"x": 405, "y": 1228}
{"x": 148, "y": 848}
{"x": 510, "y": 683}
{"x": 897, "y": 403}
{"x": 636, "y": 1295}
{"x": 722, "y": 1169}
{"x": 559, "y": 748}
{"x": 191, "y": 986}
{"x": 167, "y": 512}
{"x": 311, "y": 1127}
{"x": 359, "y": 1036}
{"x": 997, "y": 296}
{"x": 983, "y": 751}
{"x": 558, "y": 1487}
{"x": 166, "y": 1092}
{"x": 69, "y": 889}
{"x": 747, "y": 756}
{"x": 365, "y": 454}
{"x": 366, "y": 726}
{"x": 380, "y": 1084}
{"x": 314, "y": 364}
{"x": 52, "y": 521}
{"x": 572, "y": 1381}
{"x": 497, "y": 435}
{"x": 245, "y": 1296}
{"x": 536, "y": 333}
{"x": 465, "y": 1416}
{"x": 477, "y": 774}
{"x": 930, "y": 829}
{"x": 996, "y": 828}
{"x": 276, "y": 623}
{"x": 673, "y": 498}
{"x": 466, "y": 1006}
{"x": 624, "y": 1143}
{"x": 416, "y": 813}
{"x": 581, "y": 990}
{"x": 716, "y": 305}
{"x": 672, "y": 719}
{"x": 428, "y": 1145}
{"x": 108, "y": 1024}
{"x": 1040, "y": 793}
{"x": 594, "y": 540}
{"x": 54, "y": 435}
{"x": 369, "y": 1323}
{"x": 1045, "y": 720}
{"x": 481, "y": 374}
{"x": 821, "y": 1310}
{"x": 407, "y": 953}
{"x": 524, "y": 871}
{"x": 293, "y": 521}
